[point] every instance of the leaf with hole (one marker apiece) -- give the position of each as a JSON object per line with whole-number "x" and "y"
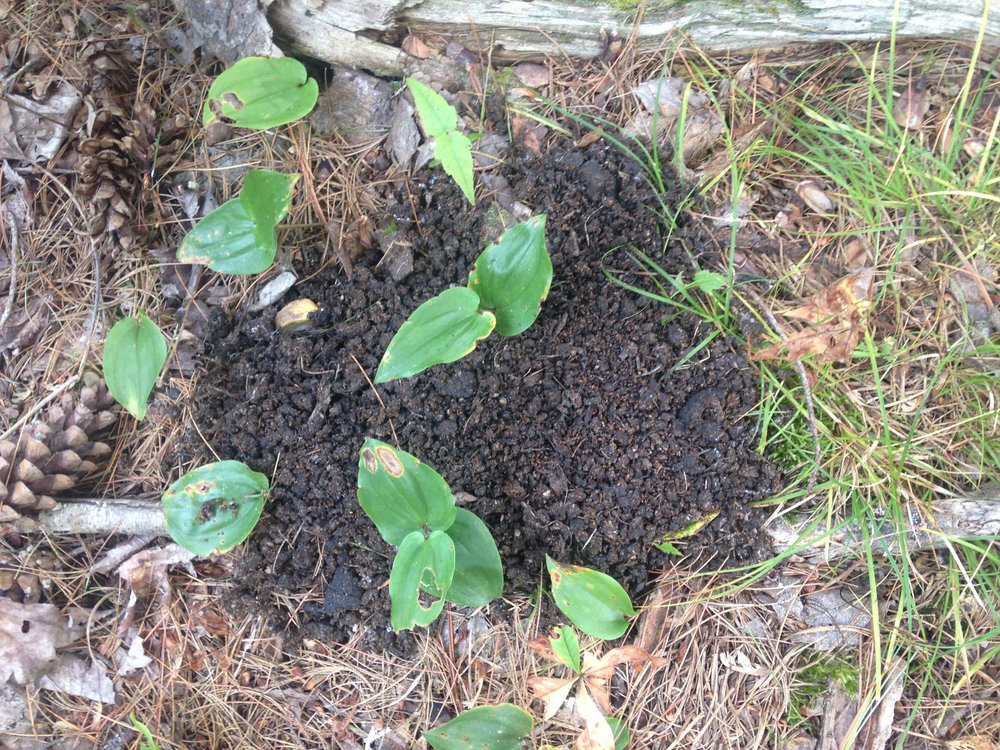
{"x": 134, "y": 354}
{"x": 478, "y": 570}
{"x": 594, "y": 602}
{"x": 512, "y": 277}
{"x": 239, "y": 237}
{"x": 500, "y": 727}
{"x": 261, "y": 92}
{"x": 400, "y": 493}
{"x": 443, "y": 329}
{"x": 214, "y": 507}
{"x": 420, "y": 560}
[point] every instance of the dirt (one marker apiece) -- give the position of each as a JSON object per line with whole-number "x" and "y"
{"x": 580, "y": 438}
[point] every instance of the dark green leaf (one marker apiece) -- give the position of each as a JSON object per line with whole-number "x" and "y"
{"x": 214, "y": 507}
{"x": 261, "y": 92}
{"x": 478, "y": 570}
{"x": 420, "y": 558}
{"x": 400, "y": 493}
{"x": 443, "y": 329}
{"x": 620, "y": 730}
{"x": 239, "y": 236}
{"x": 134, "y": 353}
{"x": 593, "y": 601}
{"x": 500, "y": 727}
{"x": 513, "y": 277}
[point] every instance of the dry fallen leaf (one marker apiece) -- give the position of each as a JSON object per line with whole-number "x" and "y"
{"x": 597, "y": 734}
{"x": 814, "y": 196}
{"x": 912, "y": 104}
{"x": 29, "y": 637}
{"x": 74, "y": 676}
{"x": 146, "y": 571}
{"x": 533, "y": 74}
{"x": 414, "y": 45}
{"x": 552, "y": 692}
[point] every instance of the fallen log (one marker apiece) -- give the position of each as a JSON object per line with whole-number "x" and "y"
{"x": 367, "y": 34}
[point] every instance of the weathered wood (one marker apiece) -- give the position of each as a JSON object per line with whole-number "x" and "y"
{"x": 95, "y": 516}
{"x": 977, "y": 515}
{"x": 365, "y": 34}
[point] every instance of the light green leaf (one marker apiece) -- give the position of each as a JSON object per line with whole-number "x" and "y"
{"x": 594, "y": 602}
{"x": 134, "y": 354}
{"x": 400, "y": 493}
{"x": 620, "y": 730}
{"x": 261, "y": 92}
{"x": 146, "y": 742}
{"x": 513, "y": 277}
{"x": 455, "y": 154}
{"x": 443, "y": 329}
{"x": 566, "y": 647}
{"x": 436, "y": 115}
{"x": 420, "y": 558}
{"x": 214, "y": 507}
{"x": 709, "y": 281}
{"x": 239, "y": 236}
{"x": 500, "y": 727}
{"x": 478, "y": 570}
{"x": 666, "y": 541}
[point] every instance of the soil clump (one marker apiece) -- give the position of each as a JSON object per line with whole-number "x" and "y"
{"x": 581, "y": 438}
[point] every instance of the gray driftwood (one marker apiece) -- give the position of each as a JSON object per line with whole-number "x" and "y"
{"x": 365, "y": 34}
{"x": 95, "y": 516}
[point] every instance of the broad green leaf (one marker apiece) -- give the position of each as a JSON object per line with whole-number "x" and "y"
{"x": 214, "y": 507}
{"x": 566, "y": 647}
{"x": 513, "y": 277}
{"x": 500, "y": 727}
{"x": 478, "y": 570}
{"x": 261, "y": 92}
{"x": 418, "y": 558}
{"x": 620, "y": 729}
{"x": 134, "y": 353}
{"x": 709, "y": 281}
{"x": 239, "y": 236}
{"x": 455, "y": 154}
{"x": 594, "y": 602}
{"x": 443, "y": 329}
{"x": 436, "y": 115}
{"x": 400, "y": 493}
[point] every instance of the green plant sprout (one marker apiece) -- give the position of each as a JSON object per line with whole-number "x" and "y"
{"x": 260, "y": 93}
{"x": 593, "y": 601}
{"x": 505, "y": 291}
{"x": 445, "y": 552}
{"x": 146, "y": 742}
{"x": 214, "y": 507}
{"x": 452, "y": 148}
{"x": 500, "y": 727}
{"x": 134, "y": 354}
{"x": 240, "y": 237}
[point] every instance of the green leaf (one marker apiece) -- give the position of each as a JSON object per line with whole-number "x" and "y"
{"x": 134, "y": 353}
{"x": 261, "y": 92}
{"x": 146, "y": 742}
{"x": 709, "y": 281}
{"x": 620, "y": 730}
{"x": 478, "y": 570}
{"x": 400, "y": 493}
{"x": 513, "y": 277}
{"x": 500, "y": 727}
{"x": 454, "y": 150}
{"x": 566, "y": 647}
{"x": 443, "y": 329}
{"x": 436, "y": 115}
{"x": 418, "y": 555}
{"x": 666, "y": 542}
{"x": 668, "y": 548}
{"x": 594, "y": 602}
{"x": 214, "y": 507}
{"x": 239, "y": 236}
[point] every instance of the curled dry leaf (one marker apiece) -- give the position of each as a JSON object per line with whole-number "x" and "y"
{"x": 29, "y": 637}
{"x": 814, "y": 196}
{"x": 597, "y": 734}
{"x": 146, "y": 571}
{"x": 415, "y": 46}
{"x": 533, "y": 74}
{"x": 912, "y": 104}
{"x": 552, "y": 692}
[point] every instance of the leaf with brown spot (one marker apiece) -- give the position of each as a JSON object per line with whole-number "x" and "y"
{"x": 597, "y": 733}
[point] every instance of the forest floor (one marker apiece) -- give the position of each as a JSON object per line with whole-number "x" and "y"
{"x": 772, "y": 336}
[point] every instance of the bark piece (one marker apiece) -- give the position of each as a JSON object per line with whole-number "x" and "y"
{"x": 230, "y": 29}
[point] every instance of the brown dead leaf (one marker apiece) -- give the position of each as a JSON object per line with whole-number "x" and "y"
{"x": 29, "y": 637}
{"x": 528, "y": 131}
{"x": 37, "y": 128}
{"x": 146, "y": 571}
{"x": 597, "y": 734}
{"x": 814, "y": 196}
{"x": 552, "y": 692}
{"x": 542, "y": 646}
{"x": 850, "y": 296}
{"x": 533, "y": 74}
{"x": 73, "y": 676}
{"x": 414, "y": 45}
{"x": 597, "y": 672}
{"x": 912, "y": 104}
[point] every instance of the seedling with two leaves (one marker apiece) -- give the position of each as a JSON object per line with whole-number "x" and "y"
{"x": 451, "y": 147}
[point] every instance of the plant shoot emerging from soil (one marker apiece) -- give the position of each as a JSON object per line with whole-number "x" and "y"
{"x": 452, "y": 148}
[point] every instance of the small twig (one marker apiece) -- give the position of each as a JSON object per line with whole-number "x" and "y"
{"x": 392, "y": 427}
{"x": 804, "y": 377}
{"x": 8, "y": 307}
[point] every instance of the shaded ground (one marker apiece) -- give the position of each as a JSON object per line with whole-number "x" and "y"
{"x": 577, "y": 439}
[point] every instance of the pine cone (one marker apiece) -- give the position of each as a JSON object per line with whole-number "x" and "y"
{"x": 53, "y": 453}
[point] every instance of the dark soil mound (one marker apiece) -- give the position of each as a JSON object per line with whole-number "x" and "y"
{"x": 577, "y": 439}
